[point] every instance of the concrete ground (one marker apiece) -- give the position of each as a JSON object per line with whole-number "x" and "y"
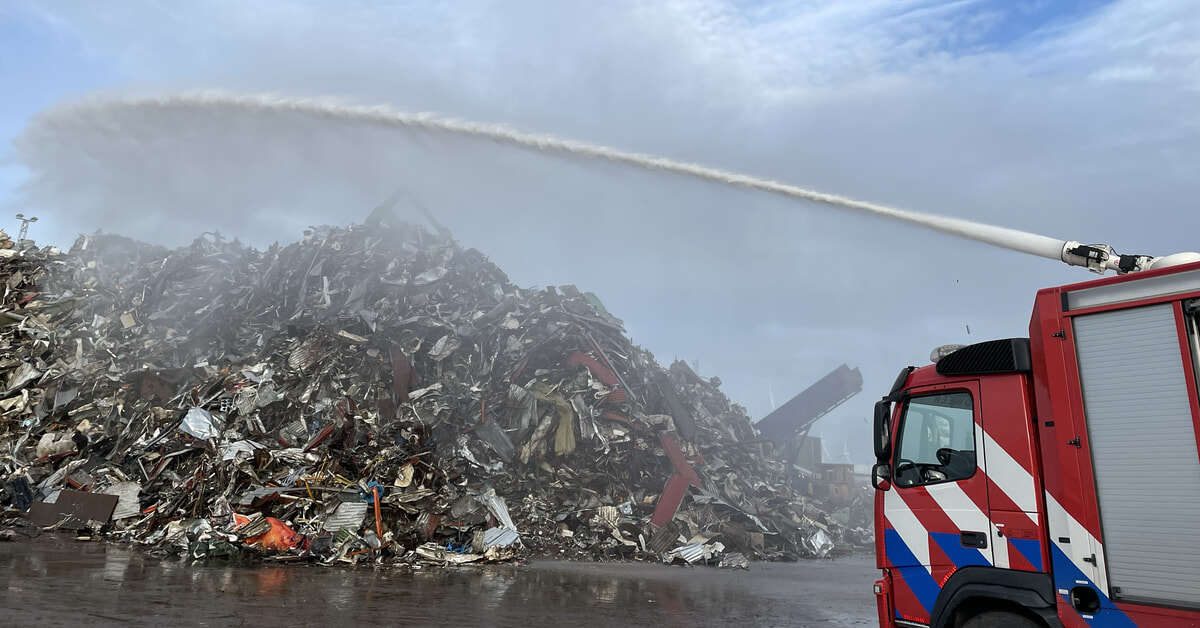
{"x": 56, "y": 581}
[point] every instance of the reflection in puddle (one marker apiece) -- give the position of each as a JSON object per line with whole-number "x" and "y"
{"x": 494, "y": 585}
{"x": 116, "y": 561}
{"x": 109, "y": 583}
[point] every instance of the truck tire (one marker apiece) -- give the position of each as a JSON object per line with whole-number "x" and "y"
{"x": 1000, "y": 619}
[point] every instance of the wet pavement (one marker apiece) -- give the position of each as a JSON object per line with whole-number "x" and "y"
{"x": 56, "y": 581}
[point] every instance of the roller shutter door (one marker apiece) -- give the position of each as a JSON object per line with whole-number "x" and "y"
{"x": 1143, "y": 447}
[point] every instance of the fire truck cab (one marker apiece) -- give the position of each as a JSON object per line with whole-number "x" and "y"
{"x": 1052, "y": 480}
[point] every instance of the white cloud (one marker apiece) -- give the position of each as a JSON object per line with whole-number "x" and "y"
{"x": 900, "y": 101}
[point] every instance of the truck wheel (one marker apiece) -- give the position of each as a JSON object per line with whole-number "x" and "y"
{"x": 1000, "y": 619}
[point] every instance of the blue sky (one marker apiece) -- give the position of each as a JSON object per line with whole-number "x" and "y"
{"x": 39, "y": 66}
{"x": 1011, "y": 23}
{"x": 1061, "y": 118}
{"x": 1040, "y": 15}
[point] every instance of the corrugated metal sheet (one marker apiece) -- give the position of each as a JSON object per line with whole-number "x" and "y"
{"x": 127, "y": 499}
{"x": 496, "y": 505}
{"x": 691, "y": 552}
{"x": 305, "y": 354}
{"x": 347, "y": 515}
{"x": 664, "y": 538}
{"x": 500, "y": 537}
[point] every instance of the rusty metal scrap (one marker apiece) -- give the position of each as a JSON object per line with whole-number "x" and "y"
{"x": 369, "y": 394}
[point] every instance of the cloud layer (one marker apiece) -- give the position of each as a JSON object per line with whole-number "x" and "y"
{"x": 1078, "y": 125}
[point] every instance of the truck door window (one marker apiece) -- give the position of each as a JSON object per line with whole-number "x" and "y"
{"x": 1191, "y": 318}
{"x": 937, "y": 440}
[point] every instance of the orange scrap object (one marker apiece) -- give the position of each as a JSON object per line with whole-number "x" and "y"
{"x": 280, "y": 537}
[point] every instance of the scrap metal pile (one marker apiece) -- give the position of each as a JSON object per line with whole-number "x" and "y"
{"x": 372, "y": 394}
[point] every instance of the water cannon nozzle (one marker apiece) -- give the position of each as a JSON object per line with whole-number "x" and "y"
{"x": 1100, "y": 258}
{"x": 1092, "y": 256}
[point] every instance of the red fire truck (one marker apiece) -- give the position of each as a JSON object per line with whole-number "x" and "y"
{"x": 1052, "y": 480}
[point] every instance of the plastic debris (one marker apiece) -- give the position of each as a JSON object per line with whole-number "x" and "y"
{"x": 820, "y": 543}
{"x": 734, "y": 560}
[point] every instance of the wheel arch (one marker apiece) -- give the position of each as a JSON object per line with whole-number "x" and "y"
{"x": 976, "y": 588}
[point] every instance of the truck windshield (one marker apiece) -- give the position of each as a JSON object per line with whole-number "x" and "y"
{"x": 937, "y": 440}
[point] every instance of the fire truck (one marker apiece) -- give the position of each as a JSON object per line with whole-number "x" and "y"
{"x": 1052, "y": 480}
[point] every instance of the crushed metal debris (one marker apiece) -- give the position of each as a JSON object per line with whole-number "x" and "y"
{"x": 370, "y": 394}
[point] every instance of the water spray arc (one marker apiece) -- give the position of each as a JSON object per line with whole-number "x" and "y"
{"x": 1096, "y": 257}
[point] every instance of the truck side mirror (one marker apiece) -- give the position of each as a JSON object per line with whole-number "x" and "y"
{"x": 883, "y": 437}
{"x": 881, "y": 476}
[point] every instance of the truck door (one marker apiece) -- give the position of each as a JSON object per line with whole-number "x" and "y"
{"x": 936, "y": 518}
{"x": 1014, "y": 482}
